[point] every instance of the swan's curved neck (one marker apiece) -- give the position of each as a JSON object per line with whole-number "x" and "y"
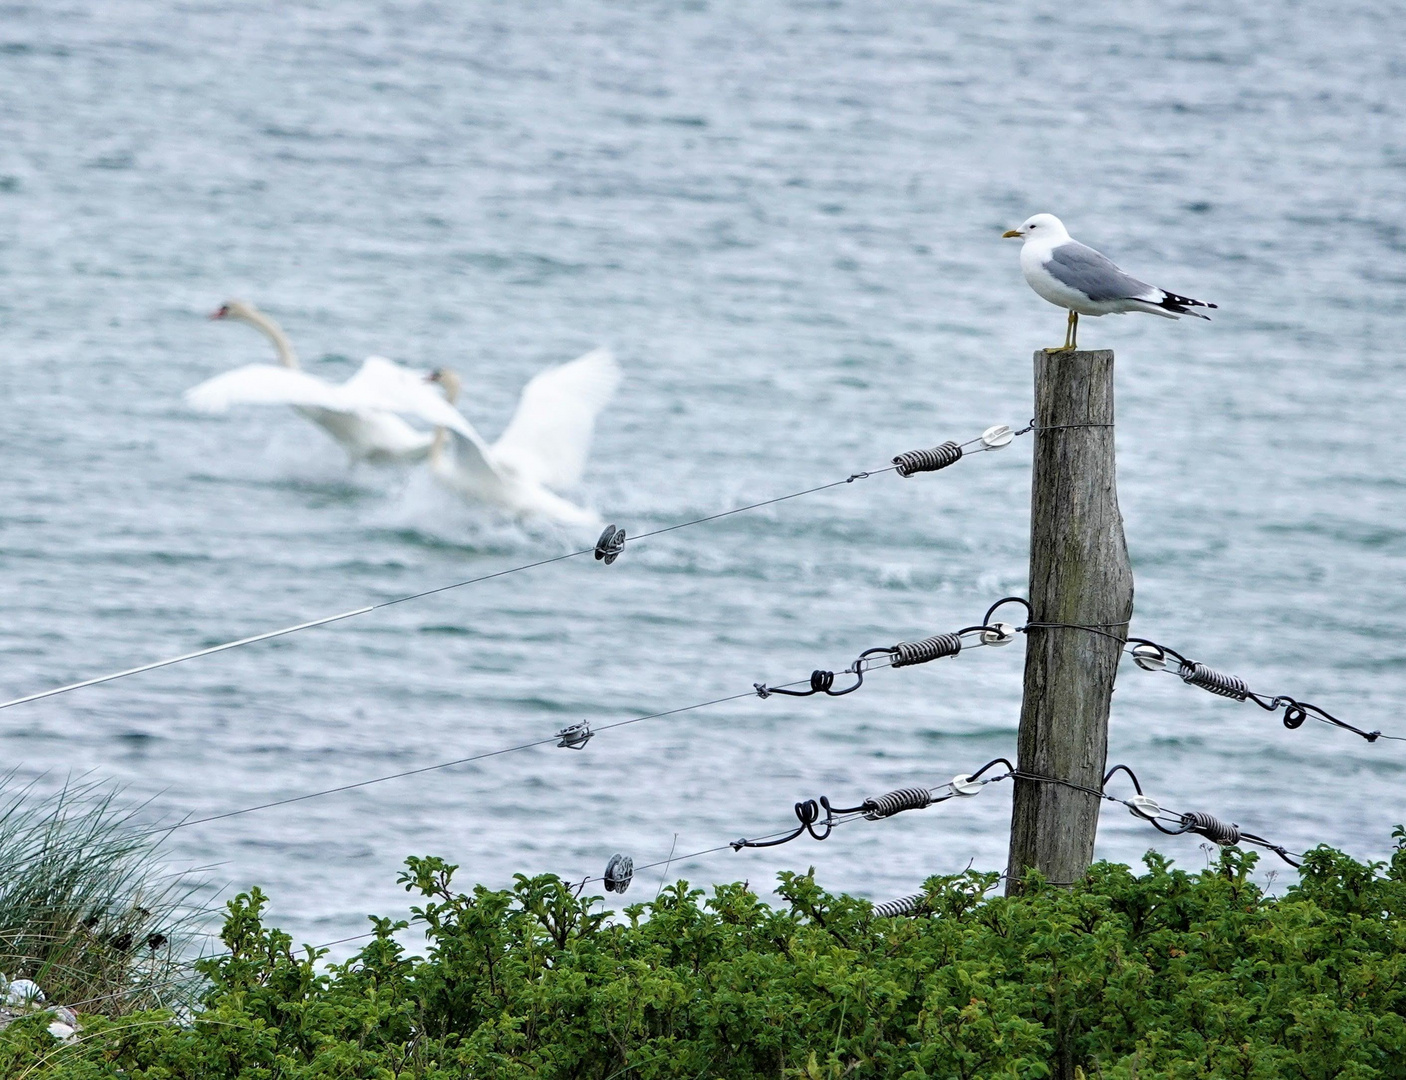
{"x": 441, "y": 436}
{"x": 286, "y": 356}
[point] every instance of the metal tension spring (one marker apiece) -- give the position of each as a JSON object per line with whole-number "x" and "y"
{"x": 904, "y": 654}
{"x": 949, "y": 453}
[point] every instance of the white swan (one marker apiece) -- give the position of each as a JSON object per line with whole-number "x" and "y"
{"x": 360, "y": 414}
{"x": 544, "y": 446}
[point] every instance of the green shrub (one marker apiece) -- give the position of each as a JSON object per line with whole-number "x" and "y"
{"x": 1126, "y": 977}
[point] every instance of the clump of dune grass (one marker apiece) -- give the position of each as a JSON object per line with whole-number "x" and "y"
{"x": 87, "y": 909}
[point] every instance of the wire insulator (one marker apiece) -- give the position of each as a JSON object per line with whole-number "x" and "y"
{"x": 939, "y": 457}
{"x": 576, "y": 736}
{"x": 821, "y": 681}
{"x": 1216, "y": 682}
{"x": 619, "y": 872}
{"x": 1212, "y": 828}
{"x": 909, "y": 798}
{"x": 916, "y": 904}
{"x": 907, "y": 653}
{"x": 610, "y": 544}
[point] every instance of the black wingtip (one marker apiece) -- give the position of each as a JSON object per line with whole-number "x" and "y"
{"x": 1183, "y": 305}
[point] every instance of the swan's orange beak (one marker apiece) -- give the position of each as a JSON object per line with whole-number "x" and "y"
{"x": 221, "y": 313}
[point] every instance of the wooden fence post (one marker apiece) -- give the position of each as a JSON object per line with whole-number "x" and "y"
{"x": 1079, "y": 573}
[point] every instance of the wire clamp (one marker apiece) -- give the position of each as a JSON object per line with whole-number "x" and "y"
{"x": 619, "y": 872}
{"x": 576, "y": 736}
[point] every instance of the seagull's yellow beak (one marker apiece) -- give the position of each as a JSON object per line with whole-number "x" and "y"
{"x": 1011, "y": 232}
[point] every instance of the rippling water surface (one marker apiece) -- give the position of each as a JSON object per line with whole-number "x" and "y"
{"x": 784, "y": 219}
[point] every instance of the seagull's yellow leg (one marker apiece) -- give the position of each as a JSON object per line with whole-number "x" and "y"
{"x": 1073, "y": 329}
{"x": 1069, "y": 327}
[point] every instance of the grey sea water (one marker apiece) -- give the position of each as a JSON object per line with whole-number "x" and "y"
{"x": 785, "y": 219}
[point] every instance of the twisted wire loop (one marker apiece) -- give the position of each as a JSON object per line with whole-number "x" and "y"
{"x": 821, "y": 682}
{"x": 1296, "y": 712}
{"x": 610, "y": 544}
{"x": 1198, "y": 674}
{"x": 576, "y": 736}
{"x": 904, "y": 654}
{"x": 908, "y": 653}
{"x": 807, "y": 813}
{"x": 619, "y": 872}
{"x": 895, "y": 802}
{"x": 913, "y": 904}
{"x": 937, "y": 457}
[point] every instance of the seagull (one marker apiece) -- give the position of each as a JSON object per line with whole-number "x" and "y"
{"x": 544, "y": 446}
{"x": 362, "y": 414}
{"x": 1074, "y": 276}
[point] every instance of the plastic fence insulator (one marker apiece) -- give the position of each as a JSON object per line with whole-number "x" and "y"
{"x": 997, "y": 634}
{"x": 1216, "y": 682}
{"x": 610, "y": 544}
{"x": 1149, "y": 658}
{"x": 908, "y": 653}
{"x": 938, "y": 457}
{"x": 576, "y": 736}
{"x": 997, "y": 437}
{"x": 966, "y": 786}
{"x": 619, "y": 872}
{"x": 1143, "y": 806}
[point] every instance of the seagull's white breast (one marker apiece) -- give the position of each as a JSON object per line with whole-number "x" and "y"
{"x": 1034, "y": 256}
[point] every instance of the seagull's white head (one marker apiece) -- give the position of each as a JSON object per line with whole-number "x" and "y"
{"x": 1039, "y": 227}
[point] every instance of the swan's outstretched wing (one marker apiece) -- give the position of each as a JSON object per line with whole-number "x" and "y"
{"x": 265, "y": 384}
{"x": 475, "y": 471}
{"x": 380, "y": 386}
{"x": 385, "y": 386}
{"x": 549, "y": 436}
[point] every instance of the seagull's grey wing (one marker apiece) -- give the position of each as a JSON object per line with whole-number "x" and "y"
{"x": 1081, "y": 267}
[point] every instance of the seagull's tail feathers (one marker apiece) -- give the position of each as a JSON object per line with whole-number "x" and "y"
{"x": 1180, "y": 305}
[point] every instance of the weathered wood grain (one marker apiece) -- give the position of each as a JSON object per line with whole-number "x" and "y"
{"x": 1079, "y": 573}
